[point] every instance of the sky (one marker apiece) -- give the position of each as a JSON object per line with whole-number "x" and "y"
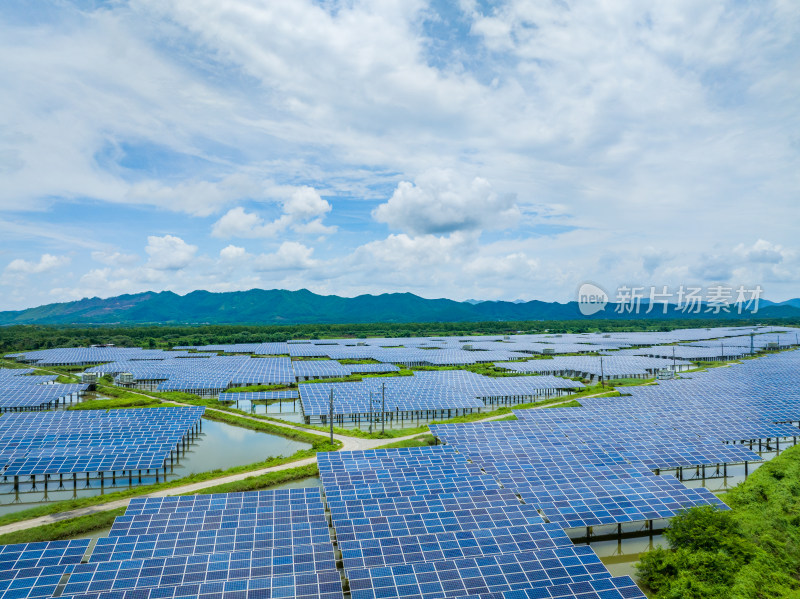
{"x": 450, "y": 148}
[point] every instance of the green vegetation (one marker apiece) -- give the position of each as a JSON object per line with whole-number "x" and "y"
{"x": 123, "y": 402}
{"x": 65, "y": 529}
{"x": 629, "y": 382}
{"x": 262, "y": 481}
{"x": 750, "y": 552}
{"x": 569, "y": 404}
{"x": 30, "y": 337}
{"x": 420, "y": 441}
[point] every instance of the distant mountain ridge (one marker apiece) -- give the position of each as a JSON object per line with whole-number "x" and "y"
{"x": 277, "y": 306}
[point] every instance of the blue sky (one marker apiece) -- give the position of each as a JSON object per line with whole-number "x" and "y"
{"x": 463, "y": 149}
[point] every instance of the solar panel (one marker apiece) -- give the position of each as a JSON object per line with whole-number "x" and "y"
{"x": 391, "y": 551}
{"x": 476, "y": 576}
{"x": 621, "y": 587}
{"x": 323, "y": 585}
{"x": 92, "y": 440}
{"x": 32, "y": 570}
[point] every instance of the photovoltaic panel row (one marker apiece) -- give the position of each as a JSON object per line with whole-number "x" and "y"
{"x": 32, "y": 570}
{"x": 294, "y": 498}
{"x": 477, "y": 576}
{"x": 621, "y": 587}
{"x": 435, "y": 522}
{"x": 344, "y": 480}
{"x": 312, "y": 544}
{"x": 581, "y": 503}
{"x": 409, "y": 488}
{"x": 215, "y": 545}
{"x": 422, "y": 504}
{"x": 377, "y": 459}
{"x": 92, "y": 440}
{"x": 325, "y": 584}
{"x": 277, "y": 522}
{"x": 392, "y": 551}
{"x": 190, "y": 569}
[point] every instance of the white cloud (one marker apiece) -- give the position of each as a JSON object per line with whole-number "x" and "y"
{"x": 289, "y": 256}
{"x": 232, "y": 253}
{"x": 169, "y": 252}
{"x": 46, "y": 263}
{"x": 200, "y": 198}
{"x": 114, "y": 258}
{"x": 441, "y": 201}
{"x": 239, "y": 223}
{"x": 303, "y": 211}
{"x": 763, "y": 251}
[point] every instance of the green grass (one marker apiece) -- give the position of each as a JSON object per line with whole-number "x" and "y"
{"x": 509, "y": 417}
{"x": 750, "y": 552}
{"x": 109, "y": 404}
{"x": 262, "y": 481}
{"x": 65, "y": 529}
{"x": 629, "y": 382}
{"x": 420, "y": 441}
{"x": 570, "y": 404}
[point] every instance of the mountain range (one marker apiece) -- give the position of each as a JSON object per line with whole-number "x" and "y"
{"x": 276, "y": 306}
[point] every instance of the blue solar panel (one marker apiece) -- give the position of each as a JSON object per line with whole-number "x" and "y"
{"x": 476, "y": 576}
{"x": 92, "y": 440}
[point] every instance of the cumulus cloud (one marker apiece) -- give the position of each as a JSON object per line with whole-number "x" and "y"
{"x": 46, "y": 263}
{"x": 169, "y": 252}
{"x": 303, "y": 211}
{"x": 232, "y": 252}
{"x": 114, "y": 258}
{"x": 442, "y": 201}
{"x": 289, "y": 256}
{"x": 762, "y": 251}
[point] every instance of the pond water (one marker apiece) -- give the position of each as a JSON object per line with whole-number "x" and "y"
{"x": 218, "y": 446}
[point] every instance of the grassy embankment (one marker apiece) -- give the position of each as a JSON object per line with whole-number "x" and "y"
{"x": 750, "y": 552}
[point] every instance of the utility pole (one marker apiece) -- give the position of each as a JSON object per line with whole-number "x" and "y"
{"x": 331, "y": 416}
{"x": 602, "y": 374}
{"x": 383, "y": 407}
{"x": 752, "y": 343}
{"x": 673, "y": 359}
{"x": 370, "y": 412}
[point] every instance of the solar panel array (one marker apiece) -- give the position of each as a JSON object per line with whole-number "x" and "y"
{"x": 437, "y": 390}
{"x": 287, "y": 553}
{"x": 441, "y": 540}
{"x": 593, "y": 465}
{"x": 615, "y": 366}
{"x": 19, "y": 390}
{"x": 32, "y": 570}
{"x": 92, "y": 440}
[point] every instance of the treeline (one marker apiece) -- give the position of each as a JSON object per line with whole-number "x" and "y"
{"x": 750, "y": 552}
{"x": 31, "y": 337}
